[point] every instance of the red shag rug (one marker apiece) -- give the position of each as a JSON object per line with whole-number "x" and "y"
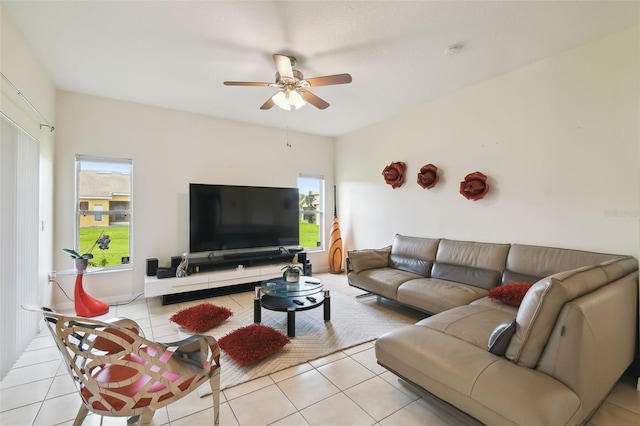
{"x": 252, "y": 343}
{"x": 201, "y": 317}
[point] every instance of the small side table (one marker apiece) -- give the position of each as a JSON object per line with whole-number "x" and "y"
{"x": 85, "y": 305}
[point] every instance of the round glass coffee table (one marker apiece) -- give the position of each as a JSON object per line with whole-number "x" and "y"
{"x": 277, "y": 294}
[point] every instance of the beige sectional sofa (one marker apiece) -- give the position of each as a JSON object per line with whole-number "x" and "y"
{"x": 551, "y": 361}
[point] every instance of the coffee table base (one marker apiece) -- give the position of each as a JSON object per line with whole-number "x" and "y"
{"x": 286, "y": 304}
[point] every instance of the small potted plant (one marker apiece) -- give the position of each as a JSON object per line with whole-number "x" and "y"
{"x": 291, "y": 273}
{"x": 82, "y": 260}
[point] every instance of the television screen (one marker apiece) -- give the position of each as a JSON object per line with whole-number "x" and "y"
{"x": 226, "y": 217}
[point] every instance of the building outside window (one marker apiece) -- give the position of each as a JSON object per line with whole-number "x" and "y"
{"x": 311, "y": 189}
{"x": 103, "y": 211}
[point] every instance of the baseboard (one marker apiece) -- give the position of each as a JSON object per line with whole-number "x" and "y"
{"x": 111, "y": 301}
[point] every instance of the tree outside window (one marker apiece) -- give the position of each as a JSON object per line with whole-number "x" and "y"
{"x": 311, "y": 204}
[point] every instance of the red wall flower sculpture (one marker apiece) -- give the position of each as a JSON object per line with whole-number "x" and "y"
{"x": 428, "y": 176}
{"x": 394, "y": 174}
{"x": 474, "y": 187}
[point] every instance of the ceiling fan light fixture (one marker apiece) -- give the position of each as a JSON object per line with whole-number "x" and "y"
{"x": 289, "y": 99}
{"x": 294, "y": 93}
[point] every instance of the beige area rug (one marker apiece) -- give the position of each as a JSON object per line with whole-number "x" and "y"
{"x": 353, "y": 322}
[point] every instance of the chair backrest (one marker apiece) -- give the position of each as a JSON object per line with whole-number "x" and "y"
{"x": 120, "y": 373}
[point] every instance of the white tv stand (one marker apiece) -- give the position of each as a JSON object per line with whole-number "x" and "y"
{"x": 209, "y": 280}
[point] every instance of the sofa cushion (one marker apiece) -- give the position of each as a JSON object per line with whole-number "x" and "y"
{"x": 362, "y": 260}
{"x": 473, "y": 324}
{"x": 482, "y": 278}
{"x": 382, "y": 281}
{"x": 415, "y": 247}
{"x": 472, "y": 254}
{"x": 409, "y": 264}
{"x": 434, "y": 295}
{"x": 538, "y": 261}
{"x": 511, "y": 294}
{"x": 542, "y": 303}
{"x": 486, "y": 301}
{"x": 516, "y": 277}
{"x": 501, "y": 336}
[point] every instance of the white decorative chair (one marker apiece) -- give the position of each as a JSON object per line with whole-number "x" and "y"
{"x": 119, "y": 373}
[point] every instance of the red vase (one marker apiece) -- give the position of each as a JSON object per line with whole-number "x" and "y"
{"x": 87, "y": 306}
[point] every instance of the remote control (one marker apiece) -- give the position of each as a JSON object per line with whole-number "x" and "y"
{"x": 311, "y": 299}
{"x": 297, "y": 302}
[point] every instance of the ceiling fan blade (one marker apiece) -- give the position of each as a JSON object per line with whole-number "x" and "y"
{"x": 268, "y": 104}
{"x": 314, "y": 100}
{"x": 329, "y": 79}
{"x": 283, "y": 64}
{"x": 245, "y": 83}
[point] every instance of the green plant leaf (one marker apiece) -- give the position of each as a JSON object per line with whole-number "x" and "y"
{"x": 74, "y": 254}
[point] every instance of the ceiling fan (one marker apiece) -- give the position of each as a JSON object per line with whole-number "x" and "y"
{"x": 293, "y": 86}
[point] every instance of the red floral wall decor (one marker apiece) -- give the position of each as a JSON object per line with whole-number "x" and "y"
{"x": 394, "y": 174}
{"x": 474, "y": 187}
{"x": 428, "y": 176}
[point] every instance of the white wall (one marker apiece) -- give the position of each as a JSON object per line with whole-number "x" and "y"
{"x": 20, "y": 65}
{"x": 170, "y": 149}
{"x": 559, "y": 140}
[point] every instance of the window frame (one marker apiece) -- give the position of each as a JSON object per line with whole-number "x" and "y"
{"x": 320, "y": 211}
{"x": 79, "y": 159}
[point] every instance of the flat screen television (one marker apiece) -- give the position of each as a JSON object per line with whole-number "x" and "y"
{"x": 227, "y": 217}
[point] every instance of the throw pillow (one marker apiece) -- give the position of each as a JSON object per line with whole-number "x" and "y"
{"x": 201, "y": 317}
{"x": 511, "y": 294}
{"x": 252, "y": 343}
{"x": 369, "y": 259}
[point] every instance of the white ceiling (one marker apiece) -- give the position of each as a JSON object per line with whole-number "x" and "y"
{"x": 176, "y": 54}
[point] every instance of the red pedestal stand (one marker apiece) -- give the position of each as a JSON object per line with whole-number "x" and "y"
{"x": 87, "y": 306}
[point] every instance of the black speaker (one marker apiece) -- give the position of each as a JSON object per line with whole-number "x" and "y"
{"x": 175, "y": 261}
{"x": 306, "y": 269}
{"x": 152, "y": 267}
{"x": 302, "y": 257}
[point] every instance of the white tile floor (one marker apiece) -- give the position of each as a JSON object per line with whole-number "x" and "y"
{"x": 345, "y": 388}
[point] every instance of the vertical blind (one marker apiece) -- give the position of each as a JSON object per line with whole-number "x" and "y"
{"x": 19, "y": 216}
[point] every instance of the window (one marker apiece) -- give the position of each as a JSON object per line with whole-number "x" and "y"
{"x": 311, "y": 189}
{"x": 103, "y": 215}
